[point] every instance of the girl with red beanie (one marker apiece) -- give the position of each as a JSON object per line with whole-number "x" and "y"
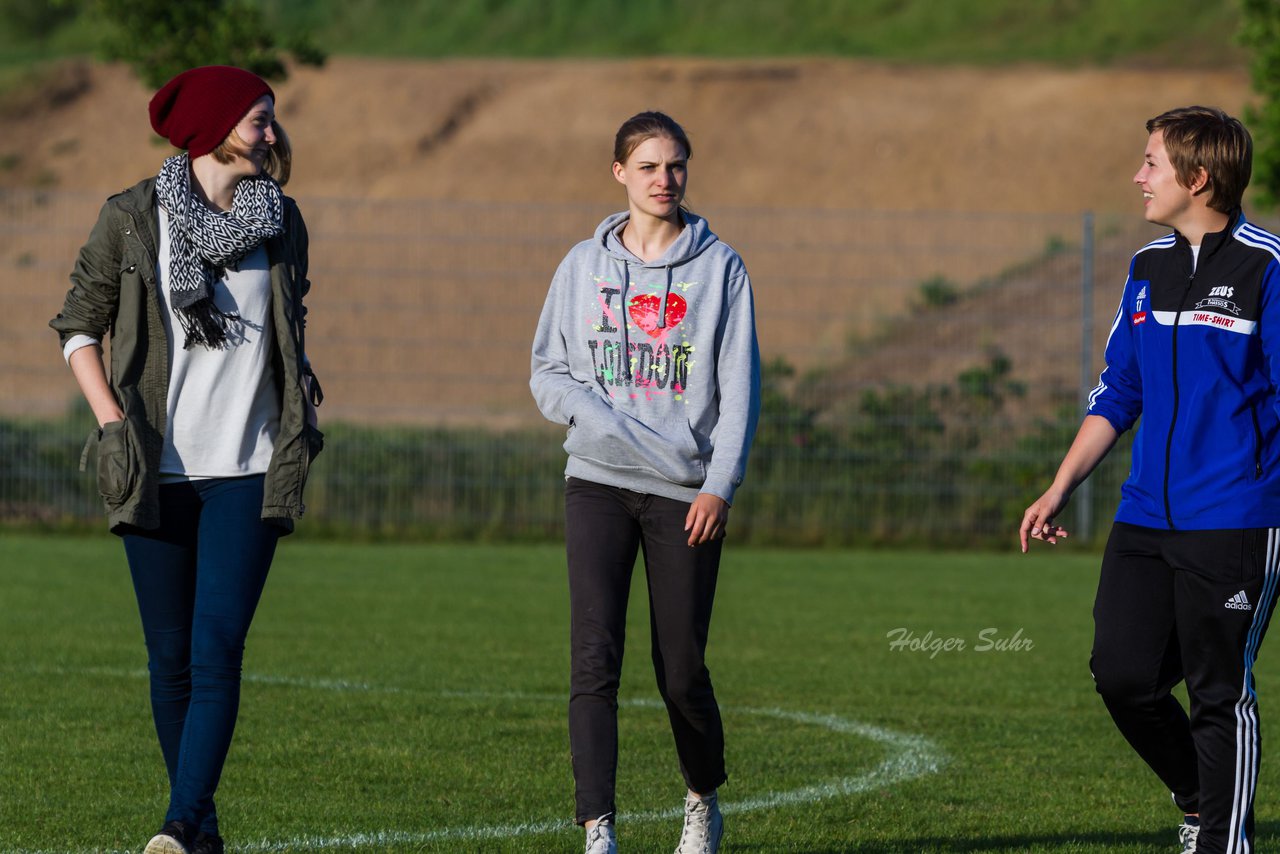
{"x": 206, "y": 418}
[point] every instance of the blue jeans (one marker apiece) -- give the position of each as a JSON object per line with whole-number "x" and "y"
{"x": 198, "y": 578}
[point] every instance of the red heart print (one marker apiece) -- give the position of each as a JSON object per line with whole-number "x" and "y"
{"x": 644, "y": 311}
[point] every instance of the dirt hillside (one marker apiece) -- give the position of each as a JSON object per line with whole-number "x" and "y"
{"x": 441, "y": 195}
{"x": 820, "y": 133}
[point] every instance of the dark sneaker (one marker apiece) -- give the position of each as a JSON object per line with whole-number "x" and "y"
{"x": 172, "y": 839}
{"x": 207, "y": 843}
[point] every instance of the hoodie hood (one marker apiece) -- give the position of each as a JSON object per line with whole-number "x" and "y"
{"x": 695, "y": 238}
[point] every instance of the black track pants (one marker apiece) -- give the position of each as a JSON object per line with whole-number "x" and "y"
{"x": 1194, "y": 606}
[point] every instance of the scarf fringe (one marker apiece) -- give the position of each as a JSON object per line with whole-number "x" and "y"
{"x": 206, "y": 325}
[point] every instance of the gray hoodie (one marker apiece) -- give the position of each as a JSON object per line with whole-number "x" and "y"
{"x": 654, "y": 366}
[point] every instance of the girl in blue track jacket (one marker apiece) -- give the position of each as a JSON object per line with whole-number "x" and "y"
{"x": 1194, "y": 352}
{"x": 1189, "y": 573}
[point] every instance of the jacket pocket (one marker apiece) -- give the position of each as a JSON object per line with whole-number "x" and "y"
{"x": 1256, "y": 474}
{"x": 118, "y": 462}
{"x": 314, "y": 440}
{"x": 1253, "y": 553}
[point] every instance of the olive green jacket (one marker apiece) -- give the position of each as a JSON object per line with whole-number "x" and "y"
{"x": 114, "y": 293}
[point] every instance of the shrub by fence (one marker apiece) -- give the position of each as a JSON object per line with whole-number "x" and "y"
{"x": 939, "y": 466}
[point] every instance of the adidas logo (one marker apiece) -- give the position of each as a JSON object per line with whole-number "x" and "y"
{"x": 1239, "y": 602}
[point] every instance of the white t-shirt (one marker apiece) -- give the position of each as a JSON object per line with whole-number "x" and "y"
{"x": 223, "y": 405}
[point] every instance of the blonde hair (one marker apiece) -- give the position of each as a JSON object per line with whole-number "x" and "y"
{"x": 279, "y": 161}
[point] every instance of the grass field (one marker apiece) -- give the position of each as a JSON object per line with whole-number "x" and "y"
{"x": 411, "y": 698}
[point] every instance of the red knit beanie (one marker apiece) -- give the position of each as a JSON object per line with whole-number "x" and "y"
{"x": 199, "y": 108}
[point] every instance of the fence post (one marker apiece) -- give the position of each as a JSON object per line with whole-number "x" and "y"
{"x": 1084, "y": 503}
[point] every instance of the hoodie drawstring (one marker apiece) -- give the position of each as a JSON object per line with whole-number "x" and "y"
{"x": 662, "y": 307}
{"x": 623, "y": 322}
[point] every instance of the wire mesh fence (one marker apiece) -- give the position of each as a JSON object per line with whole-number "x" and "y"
{"x": 924, "y": 370}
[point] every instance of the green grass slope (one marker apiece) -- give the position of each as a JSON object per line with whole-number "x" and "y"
{"x": 1176, "y": 32}
{"x": 982, "y": 31}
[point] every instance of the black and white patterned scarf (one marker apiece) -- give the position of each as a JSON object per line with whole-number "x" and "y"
{"x": 202, "y": 242}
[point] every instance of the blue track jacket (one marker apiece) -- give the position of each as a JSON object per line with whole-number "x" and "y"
{"x": 1197, "y": 356}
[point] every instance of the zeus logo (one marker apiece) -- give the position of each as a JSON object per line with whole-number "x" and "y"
{"x": 1222, "y": 291}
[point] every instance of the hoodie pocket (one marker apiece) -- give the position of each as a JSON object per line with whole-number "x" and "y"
{"x": 118, "y": 462}
{"x": 666, "y": 448}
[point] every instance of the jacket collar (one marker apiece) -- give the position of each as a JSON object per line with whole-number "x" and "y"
{"x": 1215, "y": 240}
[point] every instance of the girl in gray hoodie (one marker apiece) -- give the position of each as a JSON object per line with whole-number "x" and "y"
{"x": 646, "y": 349}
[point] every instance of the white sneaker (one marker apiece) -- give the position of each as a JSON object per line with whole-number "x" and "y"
{"x": 703, "y": 825}
{"x": 1187, "y": 834}
{"x": 172, "y": 839}
{"x": 602, "y": 839}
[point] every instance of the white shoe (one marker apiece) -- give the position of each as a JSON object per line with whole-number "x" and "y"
{"x": 172, "y": 839}
{"x": 703, "y": 825}
{"x": 602, "y": 839}
{"x": 1187, "y": 835}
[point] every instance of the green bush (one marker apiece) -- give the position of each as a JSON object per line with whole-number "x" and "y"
{"x": 938, "y": 292}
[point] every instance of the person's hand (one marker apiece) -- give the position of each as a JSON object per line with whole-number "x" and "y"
{"x": 708, "y": 515}
{"x": 1037, "y": 522}
{"x": 111, "y": 413}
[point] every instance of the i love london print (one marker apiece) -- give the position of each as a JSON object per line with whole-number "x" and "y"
{"x": 659, "y": 358}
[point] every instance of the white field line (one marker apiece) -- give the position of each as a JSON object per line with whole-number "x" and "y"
{"x": 908, "y": 757}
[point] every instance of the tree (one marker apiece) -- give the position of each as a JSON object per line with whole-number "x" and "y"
{"x": 1260, "y": 32}
{"x": 161, "y": 38}
{"x": 37, "y": 20}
